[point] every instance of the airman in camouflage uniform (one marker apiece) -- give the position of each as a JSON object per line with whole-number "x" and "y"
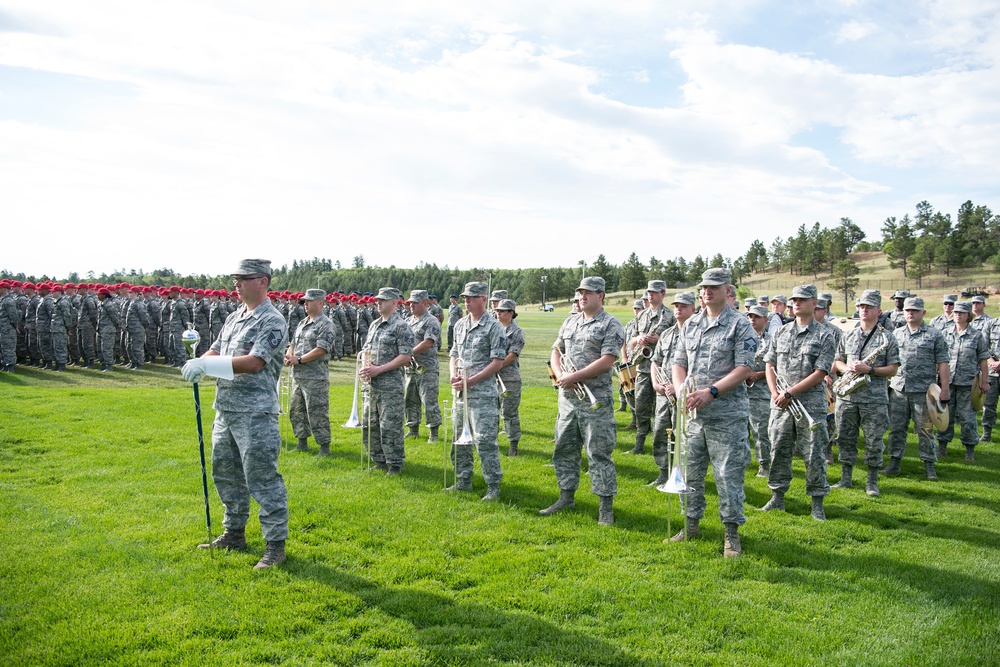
{"x": 480, "y": 344}
{"x": 247, "y": 359}
{"x": 591, "y": 341}
{"x": 820, "y": 315}
{"x": 421, "y": 389}
{"x": 626, "y": 400}
{"x": 351, "y": 343}
{"x": 650, "y": 324}
{"x": 136, "y": 321}
{"x": 180, "y": 319}
{"x": 30, "y": 324}
{"x": 497, "y": 296}
{"x": 757, "y": 392}
{"x": 898, "y": 316}
{"x": 716, "y": 351}
{"x": 510, "y": 373}
{"x": 968, "y": 354}
{"x": 454, "y": 315}
{"x": 108, "y": 318}
{"x": 72, "y": 335}
{"x": 801, "y": 356}
{"x": 866, "y": 408}
{"x": 308, "y": 355}
{"x": 436, "y": 311}
{"x": 9, "y": 323}
{"x": 662, "y": 369}
{"x": 200, "y": 310}
{"x": 992, "y": 336}
{"x": 63, "y": 318}
{"x": 340, "y": 320}
{"x": 979, "y": 320}
{"x": 154, "y": 308}
{"x": 43, "y": 322}
{"x": 923, "y": 356}
{"x": 390, "y": 343}
{"x": 945, "y": 319}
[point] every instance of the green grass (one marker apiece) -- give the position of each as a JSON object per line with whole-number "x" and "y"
{"x": 102, "y": 502}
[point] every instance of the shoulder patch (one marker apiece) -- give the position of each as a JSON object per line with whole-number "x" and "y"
{"x": 274, "y": 338}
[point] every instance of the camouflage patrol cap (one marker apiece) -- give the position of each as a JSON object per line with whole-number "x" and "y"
{"x": 978, "y": 299}
{"x": 825, "y": 295}
{"x": 314, "y": 295}
{"x": 913, "y": 303}
{"x": 250, "y": 267}
{"x": 498, "y": 294}
{"x": 763, "y": 300}
{"x": 388, "y": 294}
{"x": 656, "y": 286}
{"x": 870, "y": 297}
{"x": 716, "y": 276}
{"x": 506, "y": 304}
{"x": 901, "y": 294}
{"x": 780, "y": 298}
{"x": 950, "y": 298}
{"x": 418, "y": 295}
{"x": 822, "y": 304}
{"x": 592, "y": 284}
{"x": 686, "y": 298}
{"x": 638, "y": 304}
{"x": 759, "y": 311}
{"x": 963, "y": 307}
{"x": 452, "y": 296}
{"x": 804, "y": 292}
{"x": 749, "y": 302}
{"x": 476, "y": 289}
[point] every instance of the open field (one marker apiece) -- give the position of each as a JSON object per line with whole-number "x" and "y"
{"x": 103, "y": 506}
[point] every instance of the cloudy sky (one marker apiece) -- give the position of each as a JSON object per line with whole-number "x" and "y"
{"x": 142, "y": 135}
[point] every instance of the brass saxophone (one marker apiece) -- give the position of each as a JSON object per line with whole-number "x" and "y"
{"x": 850, "y": 382}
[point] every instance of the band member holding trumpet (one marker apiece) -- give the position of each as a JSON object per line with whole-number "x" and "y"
{"x": 423, "y": 373}
{"x": 389, "y": 346}
{"x": 510, "y": 373}
{"x": 798, "y": 361}
{"x": 866, "y": 356}
{"x": 757, "y": 392}
{"x": 480, "y": 346}
{"x": 714, "y": 356}
{"x": 308, "y": 354}
{"x": 663, "y": 386}
{"x": 650, "y": 323}
{"x": 582, "y": 357}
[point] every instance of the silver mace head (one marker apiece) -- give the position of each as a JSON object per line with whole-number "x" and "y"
{"x": 191, "y": 339}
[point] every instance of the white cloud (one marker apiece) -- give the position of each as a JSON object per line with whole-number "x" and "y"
{"x": 853, "y": 31}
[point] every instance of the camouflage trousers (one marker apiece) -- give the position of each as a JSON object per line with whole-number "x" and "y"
{"x": 904, "y": 407}
{"x": 136, "y": 346}
{"x": 245, "y": 449}
{"x": 580, "y": 430}
{"x": 151, "y": 344}
{"x": 60, "y": 350}
{"x": 725, "y": 444}
{"x": 643, "y": 405}
{"x": 45, "y": 344}
{"x": 510, "y": 409}
{"x": 382, "y": 427}
{"x": 338, "y": 341}
{"x": 484, "y": 419}
{"x": 8, "y": 345}
{"x": 106, "y": 345}
{"x": 309, "y": 409}
{"x": 73, "y": 343}
{"x": 88, "y": 343}
{"x": 163, "y": 342}
{"x": 760, "y": 418}
{"x": 961, "y": 412}
{"x": 787, "y": 434}
{"x": 421, "y": 391}
{"x": 178, "y": 353}
{"x": 451, "y": 336}
{"x": 663, "y": 421}
{"x": 990, "y": 404}
{"x": 34, "y": 346}
{"x": 22, "y": 343}
{"x": 205, "y": 341}
{"x": 872, "y": 419}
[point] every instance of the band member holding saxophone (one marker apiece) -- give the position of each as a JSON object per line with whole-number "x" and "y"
{"x": 582, "y": 356}
{"x": 666, "y": 394}
{"x": 714, "y": 356}
{"x": 757, "y": 392}
{"x": 866, "y": 357}
{"x": 650, "y": 323}
{"x": 478, "y": 353}
{"x": 510, "y": 373}
{"x": 389, "y": 346}
{"x": 799, "y": 359}
{"x": 423, "y": 373}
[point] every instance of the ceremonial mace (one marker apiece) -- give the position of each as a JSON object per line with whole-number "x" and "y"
{"x": 191, "y": 339}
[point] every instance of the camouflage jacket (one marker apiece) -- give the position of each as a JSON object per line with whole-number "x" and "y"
{"x": 920, "y": 352}
{"x": 309, "y": 335}
{"x": 387, "y": 339}
{"x": 585, "y": 341}
{"x": 262, "y": 333}
{"x": 477, "y": 344}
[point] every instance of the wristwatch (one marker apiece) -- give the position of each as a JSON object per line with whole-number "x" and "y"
{"x": 713, "y": 391}
{"x": 300, "y": 360}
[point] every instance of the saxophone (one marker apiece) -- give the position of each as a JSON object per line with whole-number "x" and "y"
{"x": 850, "y": 382}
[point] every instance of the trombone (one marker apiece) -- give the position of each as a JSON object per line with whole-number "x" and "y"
{"x": 363, "y": 359}
{"x": 466, "y": 437}
{"x": 580, "y": 390}
{"x": 502, "y": 388}
{"x": 799, "y": 412}
{"x": 678, "y": 455}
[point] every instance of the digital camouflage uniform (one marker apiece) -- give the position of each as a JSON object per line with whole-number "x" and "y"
{"x": 352, "y": 327}
{"x": 760, "y": 405}
{"x": 942, "y": 322}
{"x": 981, "y": 324}
{"x": 245, "y": 437}
{"x": 628, "y": 398}
{"x": 477, "y": 344}
{"x": 366, "y": 315}
{"x": 63, "y": 319}
{"x": 511, "y": 376}
{"x": 866, "y": 409}
{"x": 309, "y": 409}
{"x": 43, "y": 322}
{"x": 136, "y": 321}
{"x": 154, "y": 309}
{"x": 578, "y": 428}
{"x": 709, "y": 351}
{"x": 663, "y": 419}
{"x": 201, "y": 308}
{"x": 965, "y": 350}
{"x": 339, "y": 319}
{"x": 992, "y": 336}
{"x": 920, "y": 352}
{"x": 421, "y": 390}
{"x": 180, "y": 317}
{"x": 9, "y": 321}
{"x": 108, "y": 319}
{"x": 384, "y": 407}
{"x": 653, "y": 322}
{"x": 31, "y": 326}
{"x": 796, "y": 353}
{"x": 454, "y": 315}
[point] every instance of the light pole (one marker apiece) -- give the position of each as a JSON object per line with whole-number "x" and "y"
{"x": 545, "y": 279}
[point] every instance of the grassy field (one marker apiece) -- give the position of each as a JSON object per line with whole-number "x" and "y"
{"x": 103, "y": 506}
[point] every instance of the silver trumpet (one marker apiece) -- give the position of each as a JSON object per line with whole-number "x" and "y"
{"x": 581, "y": 391}
{"x": 502, "y": 388}
{"x": 466, "y": 437}
{"x": 661, "y": 377}
{"x": 415, "y": 367}
{"x": 795, "y": 406}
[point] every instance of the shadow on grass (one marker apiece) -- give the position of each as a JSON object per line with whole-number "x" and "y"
{"x": 465, "y": 633}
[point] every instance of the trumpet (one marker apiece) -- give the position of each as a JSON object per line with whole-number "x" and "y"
{"x": 580, "y": 390}
{"x": 416, "y": 367}
{"x": 799, "y": 412}
{"x": 502, "y": 388}
{"x": 661, "y": 378}
{"x": 466, "y": 438}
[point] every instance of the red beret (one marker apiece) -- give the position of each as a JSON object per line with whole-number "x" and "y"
{"x": 174, "y": 288}
{"x": 29, "y": 285}
{"x": 56, "y": 287}
{"x": 105, "y": 291}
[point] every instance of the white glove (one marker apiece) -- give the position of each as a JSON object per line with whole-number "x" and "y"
{"x": 216, "y": 366}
